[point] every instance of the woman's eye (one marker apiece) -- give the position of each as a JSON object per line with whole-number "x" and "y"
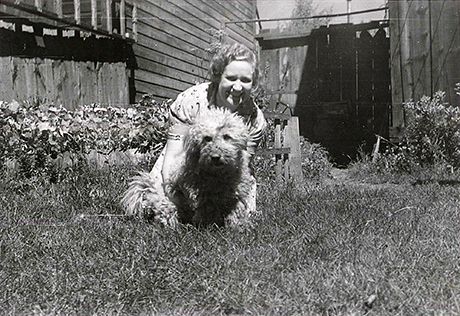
{"x": 227, "y": 137}
{"x": 246, "y": 80}
{"x": 208, "y": 139}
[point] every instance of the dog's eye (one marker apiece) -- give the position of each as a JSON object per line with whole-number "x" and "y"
{"x": 208, "y": 139}
{"x": 227, "y": 137}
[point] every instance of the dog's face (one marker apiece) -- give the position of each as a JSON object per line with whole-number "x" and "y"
{"x": 217, "y": 141}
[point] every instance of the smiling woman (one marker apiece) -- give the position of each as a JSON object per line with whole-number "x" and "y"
{"x": 235, "y": 85}
{"x": 234, "y": 76}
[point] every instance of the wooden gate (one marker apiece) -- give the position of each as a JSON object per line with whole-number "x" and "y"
{"x": 286, "y": 146}
{"x": 336, "y": 79}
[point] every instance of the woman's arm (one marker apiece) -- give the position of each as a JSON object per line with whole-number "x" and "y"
{"x": 174, "y": 152}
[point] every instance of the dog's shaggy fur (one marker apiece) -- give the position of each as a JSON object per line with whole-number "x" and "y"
{"x": 212, "y": 186}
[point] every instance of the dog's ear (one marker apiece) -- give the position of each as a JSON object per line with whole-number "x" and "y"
{"x": 192, "y": 144}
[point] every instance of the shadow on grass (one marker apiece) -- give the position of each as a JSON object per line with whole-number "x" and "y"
{"x": 446, "y": 182}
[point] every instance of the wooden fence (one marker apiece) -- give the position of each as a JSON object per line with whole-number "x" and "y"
{"x": 70, "y": 83}
{"x": 286, "y": 147}
{"x": 168, "y": 41}
{"x": 336, "y": 79}
{"x": 425, "y": 51}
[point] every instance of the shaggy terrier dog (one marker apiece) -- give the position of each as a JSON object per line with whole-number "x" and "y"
{"x": 213, "y": 184}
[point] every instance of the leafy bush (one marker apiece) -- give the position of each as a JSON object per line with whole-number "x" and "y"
{"x": 430, "y": 145}
{"x": 35, "y": 134}
{"x": 433, "y": 132}
{"x": 315, "y": 160}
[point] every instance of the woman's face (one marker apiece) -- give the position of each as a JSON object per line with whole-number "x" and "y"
{"x": 235, "y": 85}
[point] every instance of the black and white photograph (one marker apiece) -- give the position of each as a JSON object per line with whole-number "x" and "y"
{"x": 229, "y": 157}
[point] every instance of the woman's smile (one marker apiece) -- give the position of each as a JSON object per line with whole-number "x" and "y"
{"x": 235, "y": 85}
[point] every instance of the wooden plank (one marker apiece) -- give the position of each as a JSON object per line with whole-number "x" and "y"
{"x": 158, "y": 58}
{"x": 135, "y": 21}
{"x": 162, "y": 81}
{"x": 207, "y": 20}
{"x": 122, "y": 84}
{"x": 451, "y": 67}
{"x": 150, "y": 32}
{"x": 39, "y": 5}
{"x": 58, "y": 6}
{"x": 158, "y": 92}
{"x": 250, "y": 5}
{"x": 7, "y": 74}
{"x": 271, "y": 65}
{"x": 381, "y": 71}
{"x": 227, "y": 10}
{"x": 272, "y": 151}
{"x": 94, "y": 14}
{"x": 365, "y": 49}
{"x": 214, "y": 12}
{"x": 166, "y": 22}
{"x": 24, "y": 84}
{"x": 44, "y": 73}
{"x": 292, "y": 141}
{"x": 156, "y": 44}
{"x": 419, "y": 25}
{"x": 406, "y": 46}
{"x": 77, "y": 11}
{"x": 123, "y": 18}
{"x": 279, "y": 168}
{"x": 279, "y": 116}
{"x": 171, "y": 55}
{"x": 87, "y": 81}
{"x": 446, "y": 72}
{"x": 68, "y": 84}
{"x": 108, "y": 16}
{"x": 199, "y": 18}
{"x": 437, "y": 43}
{"x": 397, "y": 88}
{"x": 167, "y": 71}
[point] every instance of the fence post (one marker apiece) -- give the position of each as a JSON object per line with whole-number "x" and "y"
{"x": 278, "y": 157}
{"x": 288, "y": 162}
{"x": 292, "y": 141}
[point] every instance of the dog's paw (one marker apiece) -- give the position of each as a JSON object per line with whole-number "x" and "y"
{"x": 165, "y": 214}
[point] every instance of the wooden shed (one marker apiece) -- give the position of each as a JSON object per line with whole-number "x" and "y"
{"x": 425, "y": 52}
{"x": 75, "y": 52}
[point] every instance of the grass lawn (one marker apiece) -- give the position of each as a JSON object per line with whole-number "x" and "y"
{"x": 327, "y": 248}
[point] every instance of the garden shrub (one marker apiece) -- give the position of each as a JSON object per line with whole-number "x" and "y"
{"x": 431, "y": 139}
{"x": 315, "y": 160}
{"x": 433, "y": 132}
{"x": 34, "y": 135}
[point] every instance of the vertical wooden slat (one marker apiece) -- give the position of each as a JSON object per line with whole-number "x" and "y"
{"x": 397, "y": 85}
{"x": 58, "y": 6}
{"x": 108, "y": 5}
{"x": 292, "y": 141}
{"x": 94, "y": 14}
{"x": 135, "y": 36}
{"x": 419, "y": 26}
{"x": 278, "y": 157}
{"x": 77, "y": 6}
{"x": 39, "y": 5}
{"x": 448, "y": 62}
{"x": 123, "y": 18}
{"x": 7, "y": 73}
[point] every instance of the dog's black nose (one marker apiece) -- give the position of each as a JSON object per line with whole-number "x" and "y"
{"x": 215, "y": 159}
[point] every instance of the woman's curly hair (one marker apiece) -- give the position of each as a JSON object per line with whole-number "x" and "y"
{"x": 229, "y": 53}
